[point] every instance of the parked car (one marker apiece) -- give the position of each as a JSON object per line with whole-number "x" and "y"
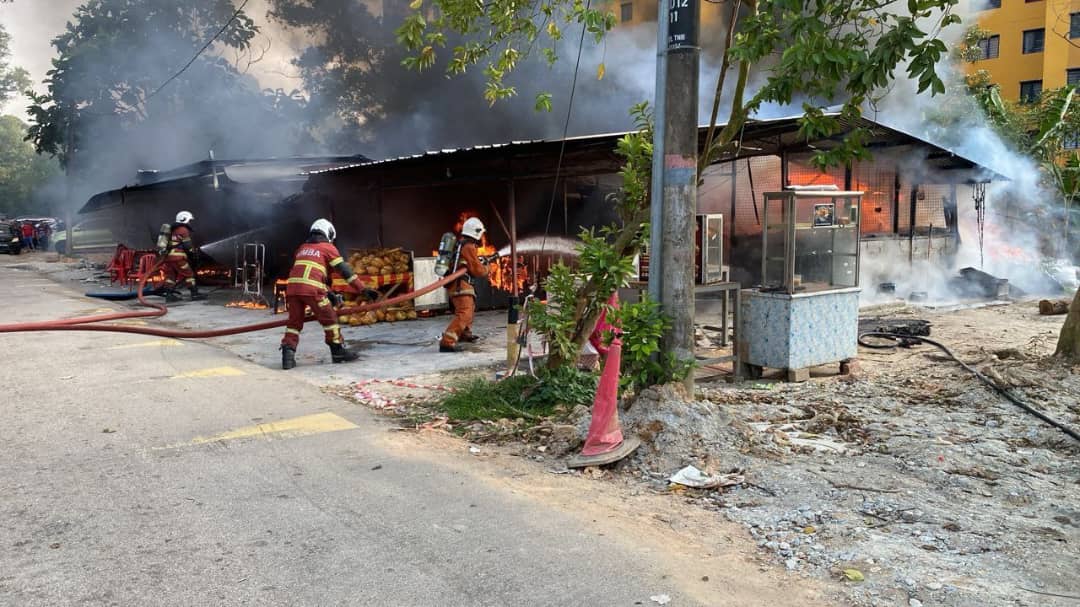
{"x": 89, "y": 235}
{"x": 10, "y": 238}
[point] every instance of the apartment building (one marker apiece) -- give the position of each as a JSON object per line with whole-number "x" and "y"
{"x": 1032, "y": 45}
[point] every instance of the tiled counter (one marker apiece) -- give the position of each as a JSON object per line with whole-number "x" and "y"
{"x": 796, "y": 332}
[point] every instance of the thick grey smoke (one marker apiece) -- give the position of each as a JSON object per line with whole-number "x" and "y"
{"x": 32, "y": 24}
{"x": 1012, "y": 245}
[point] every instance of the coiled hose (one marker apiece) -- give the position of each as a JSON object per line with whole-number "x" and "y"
{"x": 907, "y": 339}
{"x": 92, "y": 323}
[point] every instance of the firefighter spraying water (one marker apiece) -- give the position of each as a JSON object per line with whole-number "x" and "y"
{"x": 462, "y": 295}
{"x": 177, "y": 252}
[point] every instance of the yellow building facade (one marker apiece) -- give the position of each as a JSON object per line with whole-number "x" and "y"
{"x": 631, "y": 12}
{"x": 1033, "y": 45}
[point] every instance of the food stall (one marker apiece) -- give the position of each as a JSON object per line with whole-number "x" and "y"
{"x": 806, "y": 311}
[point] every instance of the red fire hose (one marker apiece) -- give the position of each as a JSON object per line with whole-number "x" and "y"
{"x": 90, "y": 323}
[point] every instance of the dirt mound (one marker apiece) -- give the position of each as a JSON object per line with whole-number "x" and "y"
{"x": 677, "y": 431}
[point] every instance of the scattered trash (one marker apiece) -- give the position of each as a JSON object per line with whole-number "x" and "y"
{"x": 798, "y": 438}
{"x": 474, "y": 450}
{"x": 377, "y": 467}
{"x": 660, "y": 599}
{"x": 108, "y": 431}
{"x": 696, "y": 479}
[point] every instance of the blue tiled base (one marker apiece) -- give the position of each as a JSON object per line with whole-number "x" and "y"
{"x": 782, "y": 331}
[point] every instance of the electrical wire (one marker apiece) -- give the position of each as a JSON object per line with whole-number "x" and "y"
{"x": 902, "y": 339}
{"x": 566, "y": 130}
{"x": 198, "y": 54}
{"x": 176, "y": 75}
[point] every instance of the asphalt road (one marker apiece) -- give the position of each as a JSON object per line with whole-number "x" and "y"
{"x": 141, "y": 471}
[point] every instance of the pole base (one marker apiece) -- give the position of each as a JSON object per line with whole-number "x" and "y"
{"x": 628, "y": 446}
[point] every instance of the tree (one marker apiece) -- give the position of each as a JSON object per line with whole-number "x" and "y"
{"x": 815, "y": 53}
{"x": 12, "y": 79}
{"x": 138, "y": 82}
{"x": 23, "y": 173}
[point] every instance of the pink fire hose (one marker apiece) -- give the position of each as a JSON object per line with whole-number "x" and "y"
{"x": 91, "y": 323}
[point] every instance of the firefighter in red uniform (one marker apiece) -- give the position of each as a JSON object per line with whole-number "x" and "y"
{"x": 308, "y": 285}
{"x": 178, "y": 257}
{"x": 461, "y": 291}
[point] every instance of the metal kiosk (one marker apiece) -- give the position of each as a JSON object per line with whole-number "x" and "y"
{"x": 806, "y": 313}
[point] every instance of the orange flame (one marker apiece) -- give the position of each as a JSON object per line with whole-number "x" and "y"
{"x": 247, "y": 305}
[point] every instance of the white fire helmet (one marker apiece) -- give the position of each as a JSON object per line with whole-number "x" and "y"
{"x": 473, "y": 228}
{"x": 184, "y": 217}
{"x": 325, "y": 228}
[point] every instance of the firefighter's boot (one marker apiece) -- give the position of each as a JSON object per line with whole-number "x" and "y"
{"x": 196, "y": 296}
{"x": 288, "y": 358}
{"x": 340, "y": 354}
{"x": 172, "y": 296}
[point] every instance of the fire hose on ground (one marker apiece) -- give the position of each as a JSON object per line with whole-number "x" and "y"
{"x": 899, "y": 339}
{"x": 92, "y": 323}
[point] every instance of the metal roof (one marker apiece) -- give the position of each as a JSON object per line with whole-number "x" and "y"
{"x": 758, "y": 137}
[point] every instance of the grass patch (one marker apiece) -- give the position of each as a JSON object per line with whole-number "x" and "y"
{"x": 522, "y": 396}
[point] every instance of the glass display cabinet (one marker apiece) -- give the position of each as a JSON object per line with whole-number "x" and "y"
{"x": 806, "y": 311}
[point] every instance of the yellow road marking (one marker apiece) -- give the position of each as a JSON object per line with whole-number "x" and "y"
{"x": 318, "y": 423}
{"x": 212, "y": 372}
{"x": 164, "y": 343}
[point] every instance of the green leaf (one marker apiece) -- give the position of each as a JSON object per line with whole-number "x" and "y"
{"x": 543, "y": 102}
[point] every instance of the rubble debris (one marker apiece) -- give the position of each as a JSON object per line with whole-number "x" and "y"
{"x": 1049, "y": 307}
{"x": 976, "y": 283}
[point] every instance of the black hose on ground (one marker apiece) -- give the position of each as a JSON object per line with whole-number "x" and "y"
{"x": 910, "y": 339}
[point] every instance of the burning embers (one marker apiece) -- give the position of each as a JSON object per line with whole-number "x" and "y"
{"x": 248, "y": 304}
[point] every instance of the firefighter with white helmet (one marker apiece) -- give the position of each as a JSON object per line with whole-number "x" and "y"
{"x": 461, "y": 292}
{"x": 308, "y": 287}
{"x": 178, "y": 257}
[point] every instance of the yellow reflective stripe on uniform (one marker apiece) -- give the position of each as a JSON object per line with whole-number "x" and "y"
{"x": 311, "y": 264}
{"x": 335, "y": 261}
{"x": 333, "y": 328}
{"x": 293, "y": 331}
{"x": 296, "y": 280}
{"x": 323, "y": 302}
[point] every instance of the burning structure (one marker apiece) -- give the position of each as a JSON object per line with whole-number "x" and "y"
{"x": 545, "y": 191}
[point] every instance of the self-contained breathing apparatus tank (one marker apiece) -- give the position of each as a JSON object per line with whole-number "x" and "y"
{"x": 449, "y": 252}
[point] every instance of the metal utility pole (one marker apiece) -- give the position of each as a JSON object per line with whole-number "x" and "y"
{"x": 680, "y": 157}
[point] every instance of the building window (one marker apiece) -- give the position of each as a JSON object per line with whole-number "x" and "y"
{"x": 1030, "y": 91}
{"x": 627, "y": 12}
{"x": 1034, "y": 40}
{"x": 989, "y": 4}
{"x": 988, "y": 47}
{"x": 1072, "y": 77}
{"x": 1074, "y": 25}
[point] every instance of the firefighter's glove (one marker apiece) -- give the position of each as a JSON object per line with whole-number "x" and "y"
{"x": 336, "y": 299}
{"x": 490, "y": 259}
{"x": 370, "y": 294}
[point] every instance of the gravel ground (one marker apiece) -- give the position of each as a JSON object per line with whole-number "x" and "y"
{"x": 911, "y": 477}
